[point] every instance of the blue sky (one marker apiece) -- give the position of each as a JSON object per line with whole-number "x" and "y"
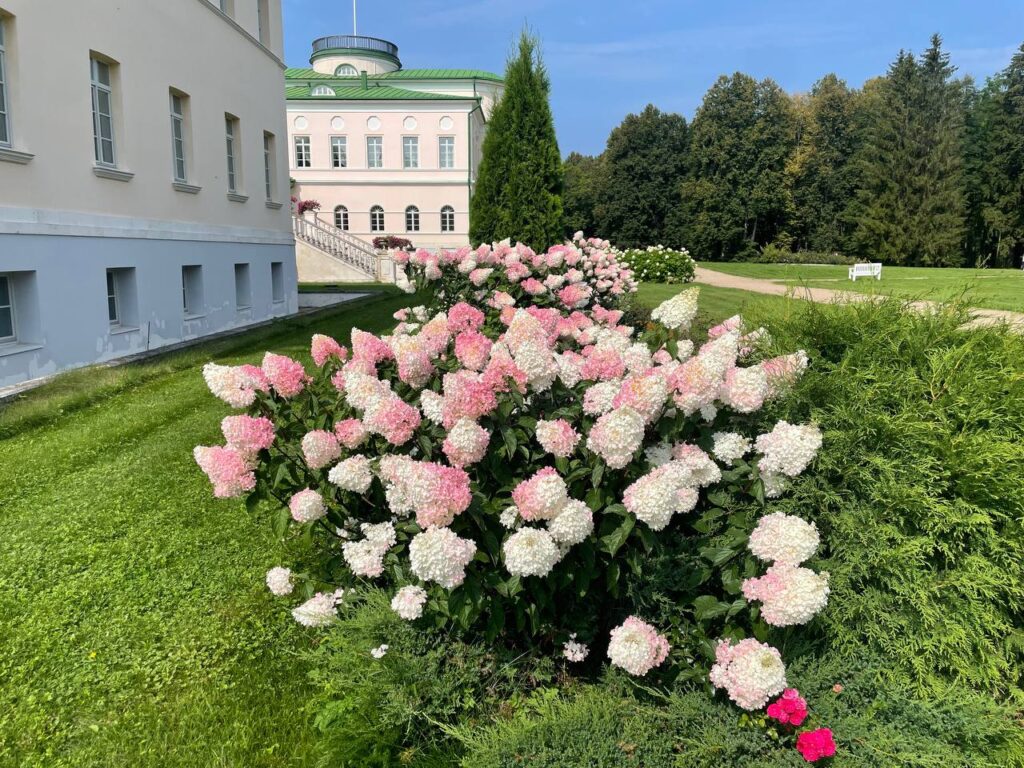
{"x": 607, "y": 59}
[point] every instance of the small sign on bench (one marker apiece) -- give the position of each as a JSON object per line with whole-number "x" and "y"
{"x": 866, "y": 270}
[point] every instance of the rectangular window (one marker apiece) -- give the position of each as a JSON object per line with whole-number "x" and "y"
{"x": 103, "y": 113}
{"x": 192, "y": 290}
{"x": 303, "y": 158}
{"x": 243, "y": 290}
{"x": 113, "y": 306}
{"x": 7, "y": 330}
{"x": 231, "y": 136}
{"x": 339, "y": 152}
{"x": 446, "y": 152}
{"x": 263, "y": 21}
{"x": 410, "y": 152}
{"x": 268, "y": 164}
{"x": 178, "y": 135}
{"x": 374, "y": 151}
{"x": 5, "y": 113}
{"x": 277, "y": 281}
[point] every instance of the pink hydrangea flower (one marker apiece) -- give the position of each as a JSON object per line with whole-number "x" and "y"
{"x": 369, "y": 348}
{"x": 466, "y": 396}
{"x": 306, "y": 506}
{"x": 350, "y": 432}
{"x": 789, "y": 594}
{"x": 393, "y": 418}
{"x": 464, "y": 317}
{"x": 637, "y": 647}
{"x": 542, "y": 496}
{"x": 285, "y": 375}
{"x": 534, "y": 287}
{"x": 248, "y": 434}
{"x": 433, "y": 492}
{"x": 816, "y": 745}
{"x": 750, "y": 672}
{"x": 323, "y": 348}
{"x": 320, "y": 448}
{"x": 229, "y": 470}
{"x": 557, "y": 437}
{"x": 473, "y": 349}
{"x": 466, "y": 443}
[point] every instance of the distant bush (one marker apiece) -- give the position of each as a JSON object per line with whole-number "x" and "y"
{"x": 774, "y": 254}
{"x": 392, "y": 243}
{"x": 658, "y": 264}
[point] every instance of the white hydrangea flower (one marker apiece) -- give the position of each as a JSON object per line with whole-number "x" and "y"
{"x": 616, "y": 436}
{"x": 751, "y": 672}
{"x": 320, "y": 610}
{"x": 408, "y": 602}
{"x": 438, "y": 554}
{"x": 678, "y": 312}
{"x": 782, "y": 538}
{"x": 353, "y": 474}
{"x": 658, "y": 454}
{"x": 509, "y": 517}
{"x": 730, "y": 446}
{"x": 573, "y": 524}
{"x": 432, "y": 405}
{"x": 379, "y": 651}
{"x": 789, "y": 594}
{"x": 636, "y": 647}
{"x": 530, "y": 552}
{"x": 788, "y": 448}
{"x": 279, "y": 581}
{"x": 575, "y": 651}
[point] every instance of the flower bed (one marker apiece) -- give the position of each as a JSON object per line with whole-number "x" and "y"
{"x": 658, "y": 264}
{"x": 504, "y": 465}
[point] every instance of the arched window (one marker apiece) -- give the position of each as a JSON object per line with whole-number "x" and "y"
{"x": 322, "y": 90}
{"x": 376, "y": 219}
{"x": 447, "y": 219}
{"x": 412, "y": 219}
{"x": 341, "y": 217}
{"x": 346, "y": 70}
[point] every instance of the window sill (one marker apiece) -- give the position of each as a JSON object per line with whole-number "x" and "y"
{"x": 190, "y": 189}
{"x": 189, "y": 318}
{"x": 9, "y": 155}
{"x": 117, "y": 330}
{"x": 244, "y": 310}
{"x": 16, "y": 348}
{"x": 237, "y": 197}
{"x": 112, "y": 173}
{"x": 274, "y": 206}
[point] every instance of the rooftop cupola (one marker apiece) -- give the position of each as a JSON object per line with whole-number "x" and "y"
{"x": 348, "y": 55}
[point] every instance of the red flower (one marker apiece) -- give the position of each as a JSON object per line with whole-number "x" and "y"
{"x": 815, "y": 745}
{"x": 789, "y": 709}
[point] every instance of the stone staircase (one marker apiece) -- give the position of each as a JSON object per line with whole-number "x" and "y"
{"x": 353, "y": 253}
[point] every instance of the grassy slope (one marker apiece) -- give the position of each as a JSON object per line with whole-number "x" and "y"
{"x": 992, "y": 288}
{"x": 135, "y": 627}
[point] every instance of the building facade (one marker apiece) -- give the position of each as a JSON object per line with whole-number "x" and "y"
{"x": 143, "y": 182}
{"x": 387, "y": 150}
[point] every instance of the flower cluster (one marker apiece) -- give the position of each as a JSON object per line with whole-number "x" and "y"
{"x": 816, "y": 745}
{"x": 636, "y": 647}
{"x": 659, "y": 264}
{"x": 751, "y": 672}
{"x": 789, "y": 709}
{"x": 789, "y": 594}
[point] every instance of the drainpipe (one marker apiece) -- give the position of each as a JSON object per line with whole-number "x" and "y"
{"x": 366, "y": 82}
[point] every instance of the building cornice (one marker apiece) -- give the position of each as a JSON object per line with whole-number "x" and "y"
{"x": 243, "y": 32}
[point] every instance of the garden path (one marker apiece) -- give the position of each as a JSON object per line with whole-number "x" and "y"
{"x": 982, "y": 317}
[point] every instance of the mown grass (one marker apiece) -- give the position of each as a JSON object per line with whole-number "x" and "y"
{"x": 136, "y": 629}
{"x": 990, "y": 288}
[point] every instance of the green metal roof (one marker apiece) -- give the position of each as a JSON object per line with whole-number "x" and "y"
{"x": 373, "y": 93}
{"x": 305, "y": 73}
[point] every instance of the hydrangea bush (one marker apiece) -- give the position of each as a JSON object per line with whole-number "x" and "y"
{"x": 658, "y": 264}
{"x": 503, "y": 466}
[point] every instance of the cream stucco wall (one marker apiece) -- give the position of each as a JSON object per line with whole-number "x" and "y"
{"x": 188, "y": 45}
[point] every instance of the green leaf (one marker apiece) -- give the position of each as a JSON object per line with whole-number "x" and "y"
{"x": 597, "y": 474}
{"x": 708, "y": 607}
{"x": 614, "y": 540}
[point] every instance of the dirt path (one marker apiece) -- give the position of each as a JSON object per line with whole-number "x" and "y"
{"x": 827, "y": 296}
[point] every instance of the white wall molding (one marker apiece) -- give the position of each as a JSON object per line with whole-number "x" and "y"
{"x": 41, "y": 221}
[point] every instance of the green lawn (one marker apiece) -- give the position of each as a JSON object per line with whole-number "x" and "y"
{"x": 991, "y": 288}
{"x": 136, "y": 630}
{"x": 716, "y": 303}
{"x": 348, "y": 288}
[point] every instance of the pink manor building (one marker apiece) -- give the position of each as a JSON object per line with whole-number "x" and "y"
{"x": 386, "y": 150}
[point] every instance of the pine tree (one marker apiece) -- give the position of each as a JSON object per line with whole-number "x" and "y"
{"x": 518, "y": 192}
{"x": 644, "y": 163}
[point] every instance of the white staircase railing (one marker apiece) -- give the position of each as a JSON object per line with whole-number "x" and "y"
{"x": 334, "y": 242}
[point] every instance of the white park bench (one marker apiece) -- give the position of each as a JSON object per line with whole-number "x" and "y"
{"x": 866, "y": 270}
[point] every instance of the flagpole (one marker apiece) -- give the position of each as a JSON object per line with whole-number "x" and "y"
{"x": 354, "y": 29}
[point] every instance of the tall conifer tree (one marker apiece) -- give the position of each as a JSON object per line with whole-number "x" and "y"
{"x": 518, "y": 192}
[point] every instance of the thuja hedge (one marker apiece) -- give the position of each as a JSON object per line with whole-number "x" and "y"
{"x": 919, "y": 489}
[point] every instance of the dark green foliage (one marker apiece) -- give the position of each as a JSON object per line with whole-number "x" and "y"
{"x": 919, "y": 489}
{"x": 734, "y": 196}
{"x": 585, "y": 180}
{"x": 911, "y": 203}
{"x": 876, "y": 724}
{"x": 644, "y": 159}
{"x": 774, "y": 254}
{"x": 518, "y": 190}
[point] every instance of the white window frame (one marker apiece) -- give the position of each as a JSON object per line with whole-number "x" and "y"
{"x": 339, "y": 159}
{"x": 247, "y": 271}
{"x": 9, "y": 306}
{"x": 412, "y": 219}
{"x": 189, "y": 311}
{"x": 6, "y": 139}
{"x": 446, "y": 160}
{"x": 375, "y": 211}
{"x": 99, "y": 87}
{"x": 230, "y": 139}
{"x": 350, "y": 71}
{"x": 268, "y": 165}
{"x": 303, "y": 152}
{"x": 277, "y": 282}
{"x": 378, "y": 142}
{"x": 341, "y": 213}
{"x": 410, "y": 152}
{"x": 447, "y": 212}
{"x": 322, "y": 90}
{"x": 263, "y": 22}
{"x": 179, "y": 166}
{"x": 112, "y": 295}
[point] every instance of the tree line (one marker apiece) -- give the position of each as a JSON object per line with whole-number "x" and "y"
{"x": 918, "y": 167}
